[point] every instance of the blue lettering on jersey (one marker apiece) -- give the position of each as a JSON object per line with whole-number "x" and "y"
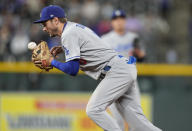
{"x": 120, "y": 56}
{"x": 81, "y": 26}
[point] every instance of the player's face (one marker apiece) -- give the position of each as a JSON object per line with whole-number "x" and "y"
{"x": 50, "y": 27}
{"x": 118, "y": 24}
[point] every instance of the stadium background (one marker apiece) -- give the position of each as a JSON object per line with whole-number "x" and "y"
{"x": 32, "y": 101}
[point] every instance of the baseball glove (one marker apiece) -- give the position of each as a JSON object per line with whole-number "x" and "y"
{"x": 41, "y": 56}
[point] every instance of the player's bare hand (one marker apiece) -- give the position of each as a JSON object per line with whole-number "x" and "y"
{"x": 56, "y": 50}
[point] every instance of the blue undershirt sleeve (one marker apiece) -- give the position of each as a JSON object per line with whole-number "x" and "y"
{"x": 70, "y": 67}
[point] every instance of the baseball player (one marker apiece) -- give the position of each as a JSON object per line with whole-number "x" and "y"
{"x": 125, "y": 43}
{"x": 86, "y": 51}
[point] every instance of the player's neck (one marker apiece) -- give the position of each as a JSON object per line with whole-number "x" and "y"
{"x": 60, "y": 29}
{"x": 120, "y": 32}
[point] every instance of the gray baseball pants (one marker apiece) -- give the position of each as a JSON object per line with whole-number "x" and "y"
{"x": 118, "y": 87}
{"x": 116, "y": 113}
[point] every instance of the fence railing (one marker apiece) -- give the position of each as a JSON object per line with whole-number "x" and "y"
{"x": 143, "y": 69}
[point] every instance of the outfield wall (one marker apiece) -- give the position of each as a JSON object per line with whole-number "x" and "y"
{"x": 51, "y": 111}
{"x": 169, "y": 88}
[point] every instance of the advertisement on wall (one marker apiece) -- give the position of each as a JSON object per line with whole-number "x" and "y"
{"x": 50, "y": 112}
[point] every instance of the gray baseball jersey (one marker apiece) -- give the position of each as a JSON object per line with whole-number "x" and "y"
{"x": 79, "y": 42}
{"x": 123, "y": 44}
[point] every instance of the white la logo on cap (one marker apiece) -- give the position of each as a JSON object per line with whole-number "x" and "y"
{"x": 117, "y": 13}
{"x": 51, "y": 15}
{"x": 40, "y": 15}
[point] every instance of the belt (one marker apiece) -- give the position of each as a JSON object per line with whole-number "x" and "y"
{"x": 130, "y": 60}
{"x": 104, "y": 72}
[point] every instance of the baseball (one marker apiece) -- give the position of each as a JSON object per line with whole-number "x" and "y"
{"x": 32, "y": 45}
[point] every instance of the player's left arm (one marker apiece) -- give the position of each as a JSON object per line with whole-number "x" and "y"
{"x": 137, "y": 51}
{"x": 70, "y": 67}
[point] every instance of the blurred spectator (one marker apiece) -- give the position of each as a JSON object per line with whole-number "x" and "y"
{"x": 190, "y": 32}
{"x": 146, "y": 17}
{"x": 153, "y": 23}
{"x": 90, "y": 11}
{"x": 154, "y": 28}
{"x": 74, "y": 10}
{"x": 19, "y": 43}
{"x": 35, "y": 33}
{"x": 171, "y": 56}
{"x": 34, "y": 6}
{"x": 102, "y": 27}
{"x": 165, "y": 6}
{"x": 133, "y": 24}
{"x": 106, "y": 9}
{"x": 4, "y": 41}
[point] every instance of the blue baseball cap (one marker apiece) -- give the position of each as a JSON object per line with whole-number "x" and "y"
{"x": 49, "y": 12}
{"x": 118, "y": 13}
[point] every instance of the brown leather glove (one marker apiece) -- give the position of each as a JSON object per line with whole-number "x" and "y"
{"x": 42, "y": 57}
